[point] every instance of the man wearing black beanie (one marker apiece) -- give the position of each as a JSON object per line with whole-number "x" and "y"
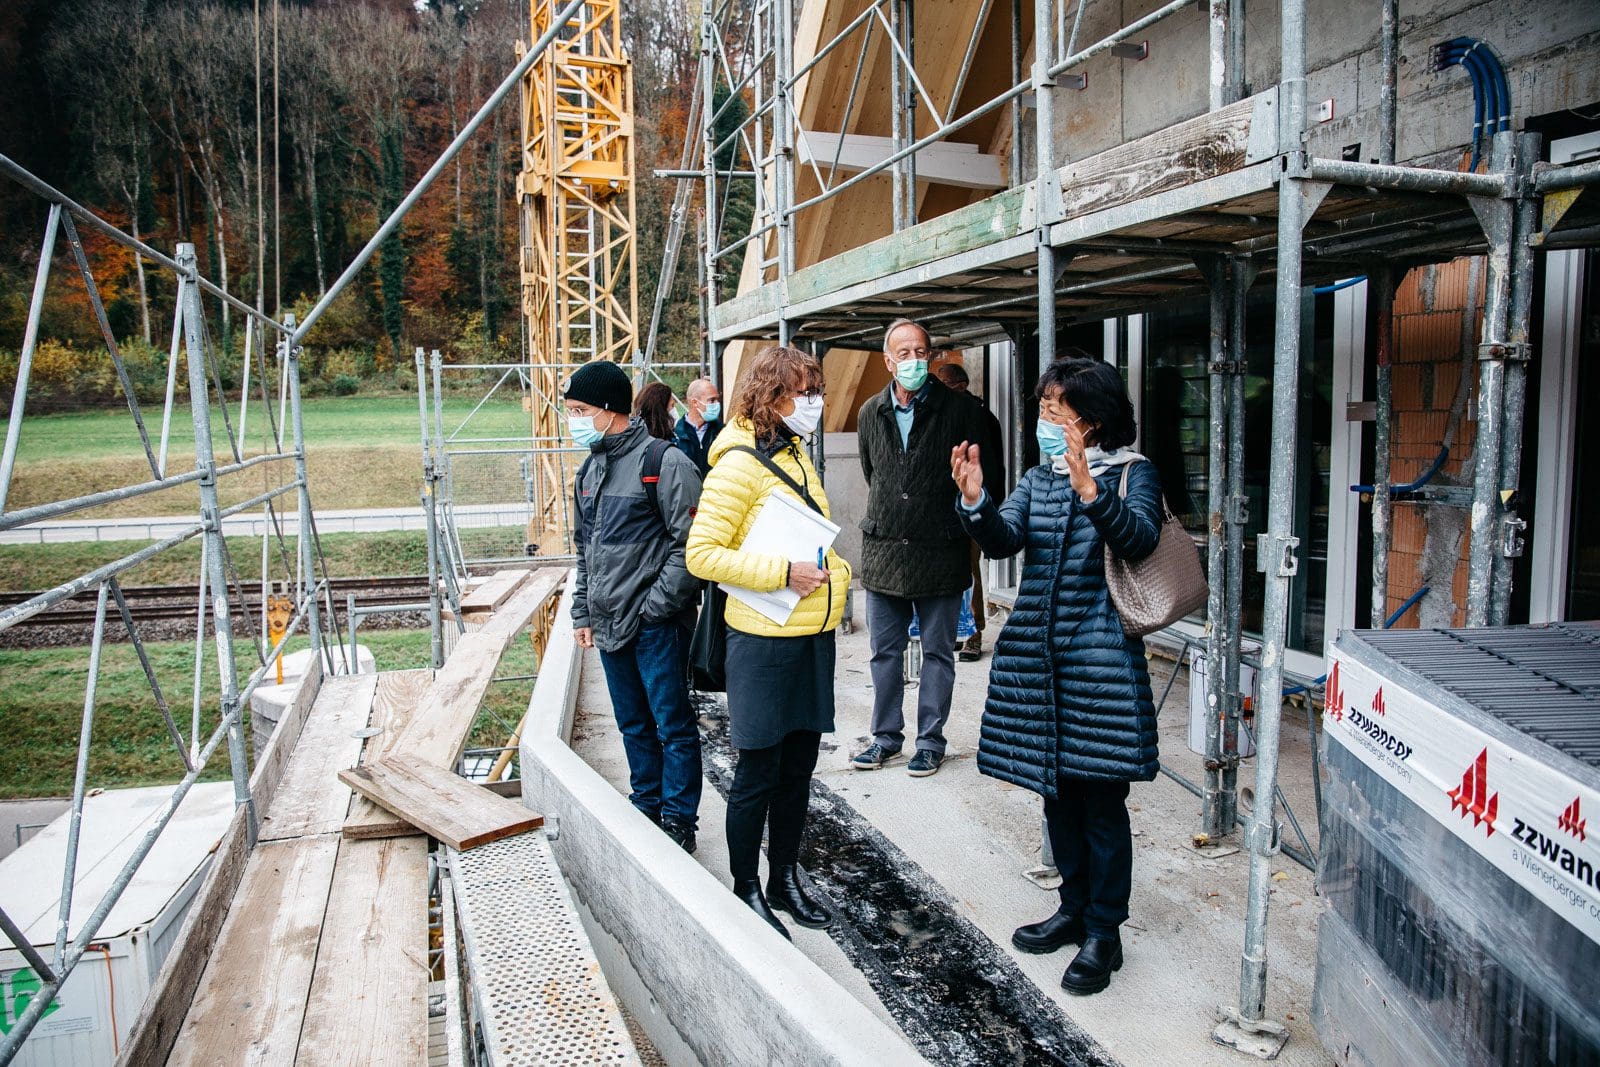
{"x": 633, "y": 598}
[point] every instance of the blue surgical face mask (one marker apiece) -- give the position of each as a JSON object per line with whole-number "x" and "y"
{"x": 911, "y": 374}
{"x": 582, "y": 430}
{"x": 713, "y": 411}
{"x": 1052, "y": 438}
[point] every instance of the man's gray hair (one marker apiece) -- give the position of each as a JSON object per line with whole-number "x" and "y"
{"x": 927, "y": 338}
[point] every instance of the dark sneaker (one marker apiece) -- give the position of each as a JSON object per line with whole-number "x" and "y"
{"x": 971, "y": 649}
{"x": 680, "y": 833}
{"x": 872, "y": 757}
{"x": 924, "y": 763}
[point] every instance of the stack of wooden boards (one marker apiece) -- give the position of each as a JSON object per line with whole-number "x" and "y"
{"x": 322, "y": 954}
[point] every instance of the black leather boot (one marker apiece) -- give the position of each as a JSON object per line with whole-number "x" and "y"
{"x": 1060, "y": 929}
{"x": 1090, "y": 971}
{"x": 786, "y": 891}
{"x": 749, "y": 891}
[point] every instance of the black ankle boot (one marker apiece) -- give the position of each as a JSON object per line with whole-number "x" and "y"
{"x": 749, "y": 891}
{"x": 1090, "y": 971}
{"x": 786, "y": 891}
{"x": 1060, "y": 929}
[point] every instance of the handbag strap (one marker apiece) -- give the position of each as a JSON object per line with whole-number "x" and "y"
{"x": 1122, "y": 491}
{"x": 782, "y": 475}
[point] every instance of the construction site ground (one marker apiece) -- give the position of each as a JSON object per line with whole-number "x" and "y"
{"x": 969, "y": 840}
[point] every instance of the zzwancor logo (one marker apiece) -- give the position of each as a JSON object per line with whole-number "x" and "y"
{"x": 1572, "y": 820}
{"x": 1472, "y": 796}
{"x": 1334, "y": 700}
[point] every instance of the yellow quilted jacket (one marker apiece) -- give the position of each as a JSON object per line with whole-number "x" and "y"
{"x": 734, "y": 491}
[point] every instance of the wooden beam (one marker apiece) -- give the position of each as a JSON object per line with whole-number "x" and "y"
{"x": 396, "y": 701}
{"x": 842, "y": 369}
{"x": 369, "y": 992}
{"x": 311, "y": 800}
{"x": 252, "y": 997}
{"x": 947, "y": 163}
{"x": 447, "y": 806}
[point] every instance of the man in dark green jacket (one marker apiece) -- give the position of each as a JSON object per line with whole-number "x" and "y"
{"x": 915, "y": 555}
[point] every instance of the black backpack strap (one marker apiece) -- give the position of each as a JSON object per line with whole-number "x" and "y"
{"x": 654, "y": 452}
{"x": 781, "y": 474}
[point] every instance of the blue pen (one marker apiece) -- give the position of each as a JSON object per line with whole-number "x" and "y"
{"x": 822, "y": 563}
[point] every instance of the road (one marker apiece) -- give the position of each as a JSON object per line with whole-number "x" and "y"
{"x": 359, "y": 520}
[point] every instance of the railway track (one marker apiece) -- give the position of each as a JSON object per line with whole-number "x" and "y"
{"x": 164, "y": 602}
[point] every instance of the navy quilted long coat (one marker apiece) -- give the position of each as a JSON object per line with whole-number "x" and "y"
{"x": 1069, "y": 694}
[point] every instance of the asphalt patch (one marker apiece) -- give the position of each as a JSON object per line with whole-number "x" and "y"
{"x": 955, "y": 994}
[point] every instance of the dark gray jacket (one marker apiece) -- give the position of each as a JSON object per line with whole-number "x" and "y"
{"x": 631, "y": 569}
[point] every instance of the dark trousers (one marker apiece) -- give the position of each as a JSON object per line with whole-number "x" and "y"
{"x": 888, "y": 623}
{"x": 771, "y": 788}
{"x": 1089, "y": 834}
{"x": 650, "y": 698}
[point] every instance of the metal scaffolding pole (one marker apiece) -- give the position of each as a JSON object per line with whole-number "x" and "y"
{"x": 1525, "y": 223}
{"x": 307, "y": 532}
{"x": 1044, "y": 88}
{"x": 1236, "y": 515}
{"x": 1246, "y": 1026}
{"x": 1218, "y": 621}
{"x": 429, "y": 492}
{"x": 1495, "y": 351}
{"x": 710, "y": 278}
{"x": 783, "y": 122}
{"x": 1381, "y": 282}
{"x": 217, "y": 578}
{"x": 902, "y": 192}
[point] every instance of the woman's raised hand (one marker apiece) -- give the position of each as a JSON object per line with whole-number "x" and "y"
{"x": 967, "y": 472}
{"x": 1083, "y": 482}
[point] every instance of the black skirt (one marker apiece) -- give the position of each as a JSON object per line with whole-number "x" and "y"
{"x": 777, "y": 685}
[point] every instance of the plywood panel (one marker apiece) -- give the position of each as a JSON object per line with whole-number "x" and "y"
{"x": 252, "y": 996}
{"x": 370, "y": 1002}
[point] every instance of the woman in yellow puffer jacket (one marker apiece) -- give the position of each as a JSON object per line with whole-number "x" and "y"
{"x": 780, "y": 675}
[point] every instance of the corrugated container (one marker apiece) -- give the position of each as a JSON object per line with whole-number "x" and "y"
{"x": 102, "y": 996}
{"x": 1458, "y": 872}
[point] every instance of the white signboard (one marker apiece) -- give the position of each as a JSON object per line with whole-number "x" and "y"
{"x": 1528, "y": 820}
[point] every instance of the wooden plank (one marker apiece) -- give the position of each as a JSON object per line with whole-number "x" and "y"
{"x": 252, "y": 997}
{"x": 369, "y": 992}
{"x": 310, "y": 798}
{"x": 447, "y": 806}
{"x": 520, "y": 609}
{"x": 496, "y": 590}
{"x": 161, "y": 1017}
{"x": 399, "y": 695}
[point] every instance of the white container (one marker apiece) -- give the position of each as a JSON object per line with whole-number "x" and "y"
{"x": 97, "y": 1006}
{"x": 1197, "y": 699}
{"x": 269, "y": 702}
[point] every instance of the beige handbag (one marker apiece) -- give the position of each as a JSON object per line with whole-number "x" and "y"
{"x": 1162, "y": 588}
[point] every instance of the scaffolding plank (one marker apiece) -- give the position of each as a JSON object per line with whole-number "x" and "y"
{"x": 369, "y": 1000}
{"x": 447, "y": 806}
{"x": 252, "y": 997}
{"x": 399, "y": 695}
{"x": 310, "y": 798}
{"x": 496, "y": 590}
{"x": 516, "y": 613}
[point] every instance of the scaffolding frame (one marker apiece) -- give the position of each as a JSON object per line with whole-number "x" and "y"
{"x": 1416, "y": 215}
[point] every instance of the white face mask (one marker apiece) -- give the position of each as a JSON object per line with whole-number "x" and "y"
{"x": 807, "y": 415}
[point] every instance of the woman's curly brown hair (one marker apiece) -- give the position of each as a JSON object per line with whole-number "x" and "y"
{"x": 776, "y": 372}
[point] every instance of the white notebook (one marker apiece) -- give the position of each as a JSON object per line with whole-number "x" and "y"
{"x": 785, "y": 527}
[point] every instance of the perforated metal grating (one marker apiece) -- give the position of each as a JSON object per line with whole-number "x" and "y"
{"x": 534, "y": 975}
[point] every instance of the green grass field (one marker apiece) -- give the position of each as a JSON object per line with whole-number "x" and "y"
{"x": 41, "y": 706}
{"x": 361, "y": 452}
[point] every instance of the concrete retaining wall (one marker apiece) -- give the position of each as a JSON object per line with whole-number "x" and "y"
{"x": 730, "y": 988}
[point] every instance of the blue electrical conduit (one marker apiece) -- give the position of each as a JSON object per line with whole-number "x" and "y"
{"x": 1491, "y": 92}
{"x": 1410, "y": 603}
{"x": 1324, "y": 290}
{"x": 1416, "y": 483}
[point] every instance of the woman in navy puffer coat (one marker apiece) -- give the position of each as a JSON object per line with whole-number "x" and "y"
{"x": 1069, "y": 713}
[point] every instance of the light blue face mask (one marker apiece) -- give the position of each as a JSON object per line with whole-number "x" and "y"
{"x": 713, "y": 411}
{"x": 911, "y": 373}
{"x": 1052, "y": 438}
{"x": 582, "y": 431}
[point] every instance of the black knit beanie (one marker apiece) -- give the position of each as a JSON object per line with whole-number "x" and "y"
{"x": 601, "y": 384}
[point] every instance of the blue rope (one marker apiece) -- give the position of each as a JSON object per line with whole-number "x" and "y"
{"x": 1411, "y": 602}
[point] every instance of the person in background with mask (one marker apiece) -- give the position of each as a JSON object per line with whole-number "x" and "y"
{"x": 915, "y": 555}
{"x": 955, "y": 376}
{"x": 779, "y": 675}
{"x": 633, "y": 597}
{"x": 699, "y": 426}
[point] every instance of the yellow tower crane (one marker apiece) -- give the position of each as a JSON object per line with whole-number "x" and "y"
{"x": 579, "y": 295}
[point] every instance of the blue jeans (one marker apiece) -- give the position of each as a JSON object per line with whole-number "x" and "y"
{"x": 650, "y": 698}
